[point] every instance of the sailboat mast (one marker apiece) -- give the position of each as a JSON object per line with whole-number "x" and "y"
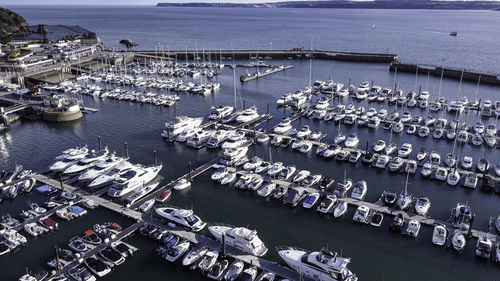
{"x": 234, "y": 84}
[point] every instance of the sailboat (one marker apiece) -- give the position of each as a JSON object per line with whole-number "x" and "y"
{"x": 391, "y": 147}
{"x": 404, "y": 199}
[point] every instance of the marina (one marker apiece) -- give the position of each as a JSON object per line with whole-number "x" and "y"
{"x": 363, "y": 155}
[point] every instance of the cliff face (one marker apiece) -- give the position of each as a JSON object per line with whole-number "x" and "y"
{"x": 11, "y": 22}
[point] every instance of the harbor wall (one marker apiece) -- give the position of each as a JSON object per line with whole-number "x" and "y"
{"x": 455, "y": 73}
{"x": 62, "y": 116}
{"x": 297, "y": 53}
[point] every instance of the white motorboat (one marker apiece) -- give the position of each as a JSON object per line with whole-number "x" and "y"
{"x": 97, "y": 266}
{"x": 435, "y": 158}
{"x": 177, "y": 251}
{"x": 484, "y": 247}
{"x": 471, "y": 180}
{"x": 284, "y": 126}
{"x": 267, "y": 189}
{"x": 306, "y": 147}
{"x": 340, "y": 209}
{"x": 235, "y": 140}
{"x": 422, "y": 154}
{"x": 240, "y": 238}
{"x": 286, "y": 173}
{"x": 234, "y": 271}
{"x": 231, "y": 155}
{"x": 100, "y": 168}
{"x": 87, "y": 162}
{"x": 182, "y": 184}
{"x": 323, "y": 265}
{"x": 405, "y": 150}
{"x": 453, "y": 178}
{"x": 140, "y": 193}
{"x": 220, "y": 173}
{"x": 398, "y": 127}
{"x": 132, "y": 179}
{"x": 361, "y": 214}
{"x": 390, "y": 148}
{"x": 458, "y": 241}
{"x": 490, "y": 140}
{"x": 441, "y": 173}
{"x": 34, "y": 229}
{"x": 304, "y": 132}
{"x": 218, "y": 138}
{"x": 249, "y": 274}
{"x": 220, "y": 112}
{"x": 422, "y": 206}
{"x": 413, "y": 228}
{"x": 439, "y": 235}
{"x": 208, "y": 260}
{"x": 327, "y": 204}
{"x": 411, "y": 167}
{"x": 194, "y": 256}
{"x": 182, "y": 217}
{"x": 423, "y": 131}
{"x": 359, "y": 190}
{"x": 72, "y": 154}
{"x": 379, "y": 146}
{"x": 248, "y": 115}
{"x": 199, "y": 138}
{"x": 229, "y": 178}
{"x": 147, "y": 205}
{"x": 181, "y": 124}
{"x": 382, "y": 161}
{"x": 462, "y": 136}
{"x": 300, "y": 176}
{"x": 110, "y": 176}
{"x": 450, "y": 160}
{"x": 263, "y": 167}
{"x": 275, "y": 169}
{"x": 310, "y": 200}
{"x": 252, "y": 164}
{"x": 351, "y": 141}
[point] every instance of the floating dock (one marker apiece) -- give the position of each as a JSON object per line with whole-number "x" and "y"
{"x": 448, "y": 72}
{"x": 269, "y": 71}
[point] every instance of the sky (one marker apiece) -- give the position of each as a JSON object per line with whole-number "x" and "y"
{"x": 139, "y": 2}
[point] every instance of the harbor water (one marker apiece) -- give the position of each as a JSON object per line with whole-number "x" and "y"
{"x": 376, "y": 253}
{"x": 416, "y": 36}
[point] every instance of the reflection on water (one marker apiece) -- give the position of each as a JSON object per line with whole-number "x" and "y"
{"x": 5, "y": 137}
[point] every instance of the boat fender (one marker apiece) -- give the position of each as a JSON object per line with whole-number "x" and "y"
{"x": 171, "y": 224}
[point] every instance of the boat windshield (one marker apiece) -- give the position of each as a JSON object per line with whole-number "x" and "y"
{"x": 192, "y": 219}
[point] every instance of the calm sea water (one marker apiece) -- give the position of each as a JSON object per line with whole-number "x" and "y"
{"x": 376, "y": 254}
{"x": 420, "y": 36}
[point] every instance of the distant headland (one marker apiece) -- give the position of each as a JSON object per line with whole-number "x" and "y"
{"x": 377, "y": 4}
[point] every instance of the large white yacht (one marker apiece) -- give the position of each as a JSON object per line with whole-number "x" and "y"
{"x": 284, "y": 126}
{"x": 235, "y": 140}
{"x": 87, "y": 162}
{"x": 132, "y": 179}
{"x": 232, "y": 155}
{"x": 241, "y": 238}
{"x": 111, "y": 175}
{"x": 100, "y": 168}
{"x": 181, "y": 124}
{"x": 220, "y": 112}
{"x": 182, "y": 217}
{"x": 248, "y": 115}
{"x": 321, "y": 266}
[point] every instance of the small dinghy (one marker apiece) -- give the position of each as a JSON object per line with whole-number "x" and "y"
{"x": 377, "y": 219}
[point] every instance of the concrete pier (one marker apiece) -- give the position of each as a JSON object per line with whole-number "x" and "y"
{"x": 448, "y": 72}
{"x": 296, "y": 53}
